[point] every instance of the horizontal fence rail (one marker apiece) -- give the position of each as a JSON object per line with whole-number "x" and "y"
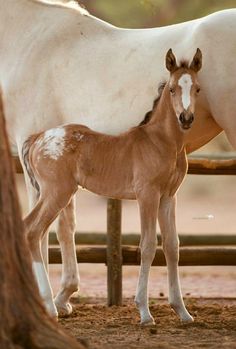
{"x": 212, "y": 165}
{"x": 222, "y": 165}
{"x": 132, "y": 239}
{"x": 189, "y": 256}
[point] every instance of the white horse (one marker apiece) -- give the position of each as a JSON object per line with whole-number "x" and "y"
{"x": 59, "y": 65}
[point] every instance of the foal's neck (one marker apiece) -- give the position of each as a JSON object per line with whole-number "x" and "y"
{"x": 164, "y": 121}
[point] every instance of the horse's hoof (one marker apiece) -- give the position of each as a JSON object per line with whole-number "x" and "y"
{"x": 64, "y": 310}
{"x": 147, "y": 322}
{"x": 188, "y": 319}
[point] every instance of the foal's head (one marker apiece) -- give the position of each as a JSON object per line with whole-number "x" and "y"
{"x": 184, "y": 87}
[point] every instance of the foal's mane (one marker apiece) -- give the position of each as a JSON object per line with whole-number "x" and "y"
{"x": 148, "y": 115}
{"x": 183, "y": 64}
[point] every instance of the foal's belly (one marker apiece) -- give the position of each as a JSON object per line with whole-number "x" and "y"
{"x": 114, "y": 192}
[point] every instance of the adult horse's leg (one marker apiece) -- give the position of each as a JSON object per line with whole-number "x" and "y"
{"x": 148, "y": 204}
{"x": 166, "y": 216}
{"x": 70, "y": 274}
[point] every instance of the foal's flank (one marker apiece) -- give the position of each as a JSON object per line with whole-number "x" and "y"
{"x": 147, "y": 163}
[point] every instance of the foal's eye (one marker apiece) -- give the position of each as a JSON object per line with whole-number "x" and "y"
{"x": 172, "y": 91}
{"x": 198, "y": 90}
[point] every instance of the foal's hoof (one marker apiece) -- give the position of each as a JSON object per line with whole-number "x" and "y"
{"x": 64, "y": 310}
{"x": 147, "y": 322}
{"x": 187, "y": 319}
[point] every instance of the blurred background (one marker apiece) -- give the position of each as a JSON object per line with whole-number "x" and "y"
{"x": 152, "y": 13}
{"x": 206, "y": 204}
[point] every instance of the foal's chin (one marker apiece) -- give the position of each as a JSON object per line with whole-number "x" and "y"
{"x": 184, "y": 128}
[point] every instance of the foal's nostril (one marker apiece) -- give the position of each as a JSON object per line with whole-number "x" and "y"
{"x": 182, "y": 118}
{"x": 191, "y": 119}
{"x": 185, "y": 120}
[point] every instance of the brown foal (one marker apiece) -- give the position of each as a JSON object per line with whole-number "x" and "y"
{"x": 147, "y": 163}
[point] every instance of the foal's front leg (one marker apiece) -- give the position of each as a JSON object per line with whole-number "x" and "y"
{"x": 70, "y": 274}
{"x": 166, "y": 216}
{"x": 148, "y": 205}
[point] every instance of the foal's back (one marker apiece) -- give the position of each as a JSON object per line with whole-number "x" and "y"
{"x": 107, "y": 165}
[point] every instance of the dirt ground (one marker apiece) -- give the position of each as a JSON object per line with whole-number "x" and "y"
{"x": 98, "y": 326}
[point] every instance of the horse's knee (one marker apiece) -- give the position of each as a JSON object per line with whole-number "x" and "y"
{"x": 148, "y": 252}
{"x": 171, "y": 248}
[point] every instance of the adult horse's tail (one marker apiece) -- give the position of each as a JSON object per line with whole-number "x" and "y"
{"x": 25, "y": 156}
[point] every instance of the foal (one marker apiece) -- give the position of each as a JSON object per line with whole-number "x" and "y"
{"x": 147, "y": 163}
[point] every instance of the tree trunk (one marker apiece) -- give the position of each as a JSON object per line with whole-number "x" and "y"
{"x": 24, "y": 322}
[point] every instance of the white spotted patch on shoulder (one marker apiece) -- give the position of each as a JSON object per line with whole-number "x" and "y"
{"x": 79, "y": 136}
{"x": 52, "y": 143}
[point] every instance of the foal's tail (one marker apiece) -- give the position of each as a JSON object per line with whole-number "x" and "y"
{"x": 25, "y": 156}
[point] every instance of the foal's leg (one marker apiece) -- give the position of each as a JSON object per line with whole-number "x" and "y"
{"x": 170, "y": 239}
{"x": 36, "y": 224}
{"x": 32, "y": 199}
{"x": 148, "y": 214}
{"x": 44, "y": 249}
{"x": 70, "y": 275}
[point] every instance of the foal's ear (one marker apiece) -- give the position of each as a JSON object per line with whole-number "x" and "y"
{"x": 197, "y": 61}
{"x": 170, "y": 61}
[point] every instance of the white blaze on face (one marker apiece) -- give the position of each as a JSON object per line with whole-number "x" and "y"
{"x": 185, "y": 82}
{"x": 53, "y": 143}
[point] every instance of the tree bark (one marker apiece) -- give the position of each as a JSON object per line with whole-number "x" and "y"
{"x": 24, "y": 322}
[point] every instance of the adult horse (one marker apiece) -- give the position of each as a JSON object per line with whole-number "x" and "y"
{"x": 59, "y": 64}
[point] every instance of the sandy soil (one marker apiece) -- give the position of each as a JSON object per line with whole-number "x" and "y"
{"x": 204, "y": 282}
{"x": 118, "y": 327}
{"x": 98, "y": 326}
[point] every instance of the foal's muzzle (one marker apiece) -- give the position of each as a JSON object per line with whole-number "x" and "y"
{"x": 186, "y": 120}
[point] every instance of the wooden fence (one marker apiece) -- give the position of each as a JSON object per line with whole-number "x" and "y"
{"x": 116, "y": 250}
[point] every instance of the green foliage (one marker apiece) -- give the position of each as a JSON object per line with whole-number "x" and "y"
{"x": 151, "y": 13}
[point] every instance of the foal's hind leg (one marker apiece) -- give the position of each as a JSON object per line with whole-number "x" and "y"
{"x": 33, "y": 198}
{"x": 148, "y": 214}
{"x": 70, "y": 275}
{"x": 36, "y": 224}
{"x": 170, "y": 239}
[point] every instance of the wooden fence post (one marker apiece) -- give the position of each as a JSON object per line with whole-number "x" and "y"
{"x": 114, "y": 253}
